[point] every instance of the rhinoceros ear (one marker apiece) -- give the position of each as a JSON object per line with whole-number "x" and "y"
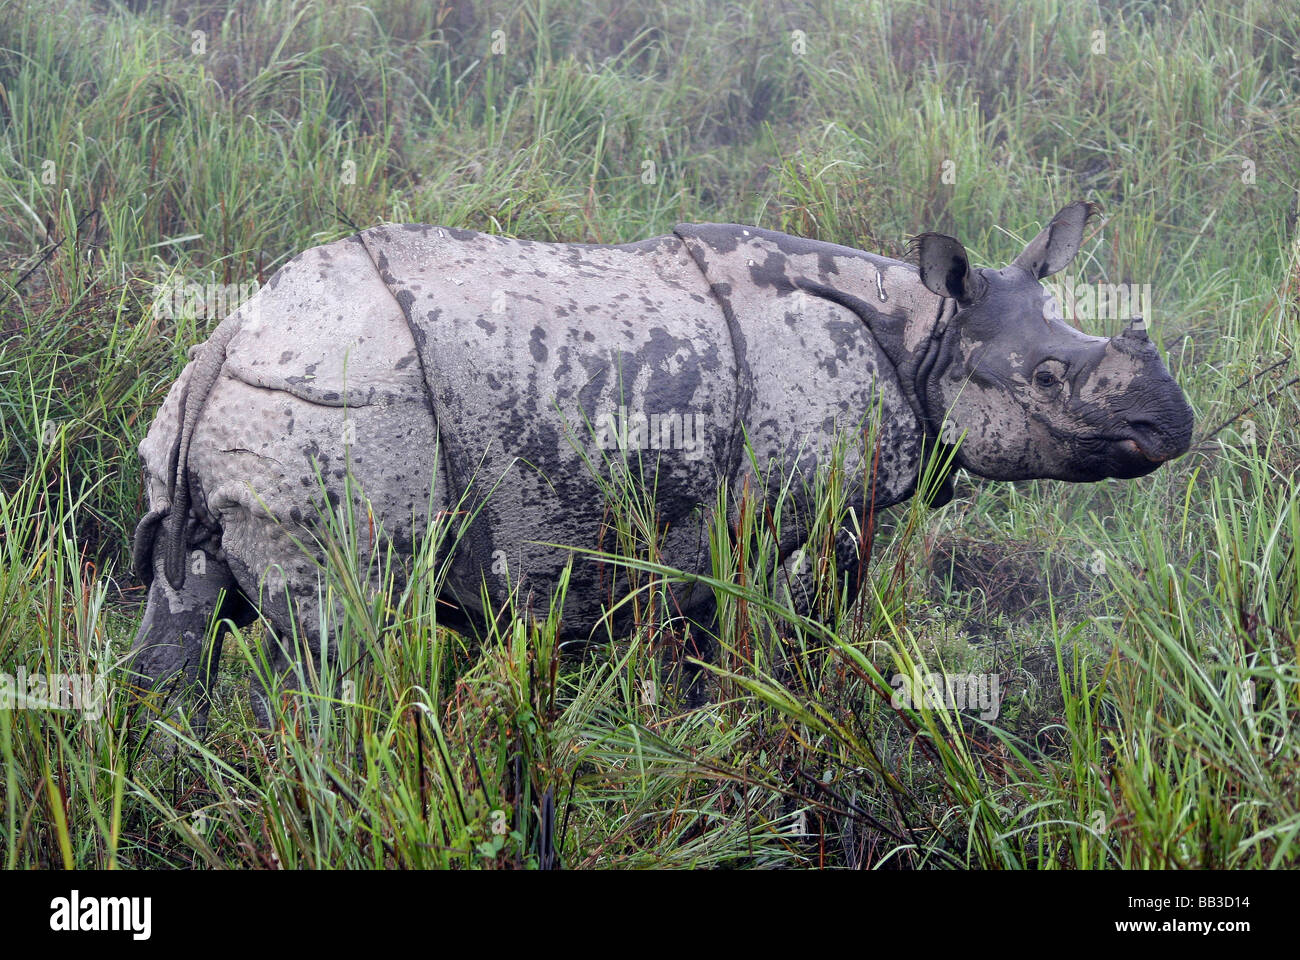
{"x": 1058, "y": 242}
{"x": 944, "y": 267}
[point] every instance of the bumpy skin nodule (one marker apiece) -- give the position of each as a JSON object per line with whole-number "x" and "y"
{"x": 457, "y": 371}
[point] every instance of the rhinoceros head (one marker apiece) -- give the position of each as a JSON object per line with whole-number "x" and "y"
{"x": 1028, "y": 394}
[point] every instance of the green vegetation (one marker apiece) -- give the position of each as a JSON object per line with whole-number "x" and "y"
{"x": 1145, "y": 633}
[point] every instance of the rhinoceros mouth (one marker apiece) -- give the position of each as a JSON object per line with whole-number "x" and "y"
{"x": 1145, "y": 440}
{"x": 1131, "y": 446}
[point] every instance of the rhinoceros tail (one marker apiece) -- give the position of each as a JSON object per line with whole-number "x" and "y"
{"x": 175, "y": 523}
{"x": 146, "y": 533}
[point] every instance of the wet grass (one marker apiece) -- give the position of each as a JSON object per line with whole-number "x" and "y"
{"x": 1144, "y": 633}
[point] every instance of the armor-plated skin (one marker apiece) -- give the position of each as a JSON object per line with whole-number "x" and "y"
{"x": 457, "y": 371}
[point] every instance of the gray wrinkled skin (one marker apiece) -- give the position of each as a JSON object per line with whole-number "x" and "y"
{"x": 488, "y": 370}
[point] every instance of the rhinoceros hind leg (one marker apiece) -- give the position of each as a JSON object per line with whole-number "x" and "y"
{"x": 283, "y": 655}
{"x": 168, "y": 665}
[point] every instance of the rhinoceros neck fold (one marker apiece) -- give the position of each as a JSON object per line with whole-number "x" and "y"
{"x": 781, "y": 293}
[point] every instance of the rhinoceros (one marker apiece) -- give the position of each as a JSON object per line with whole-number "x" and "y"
{"x": 446, "y": 372}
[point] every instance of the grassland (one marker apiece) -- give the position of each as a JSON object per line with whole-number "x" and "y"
{"x": 1145, "y": 633}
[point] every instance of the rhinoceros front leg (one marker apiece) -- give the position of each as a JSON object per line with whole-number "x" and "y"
{"x": 698, "y": 633}
{"x": 168, "y": 664}
{"x": 804, "y": 580}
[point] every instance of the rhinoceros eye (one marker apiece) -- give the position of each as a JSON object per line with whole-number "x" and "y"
{"x": 1049, "y": 374}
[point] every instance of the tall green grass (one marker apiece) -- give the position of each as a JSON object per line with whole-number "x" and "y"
{"x": 1145, "y": 633}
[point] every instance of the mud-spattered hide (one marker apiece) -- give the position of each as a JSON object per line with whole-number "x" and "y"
{"x": 531, "y": 351}
{"x": 543, "y": 371}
